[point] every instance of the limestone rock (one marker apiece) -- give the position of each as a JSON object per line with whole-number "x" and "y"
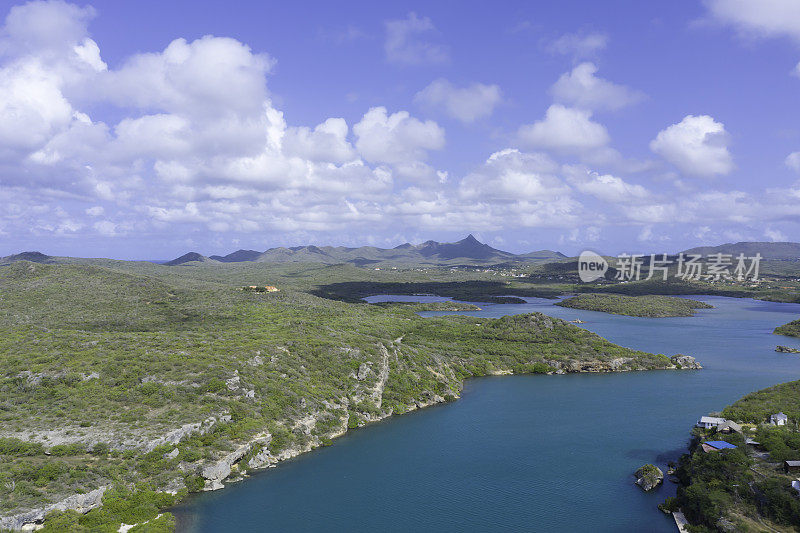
{"x": 685, "y": 361}
{"x": 649, "y": 477}
{"x": 82, "y": 503}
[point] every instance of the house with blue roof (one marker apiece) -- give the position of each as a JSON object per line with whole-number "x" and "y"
{"x": 717, "y": 445}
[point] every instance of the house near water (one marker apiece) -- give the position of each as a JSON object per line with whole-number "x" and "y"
{"x": 778, "y": 419}
{"x": 717, "y": 445}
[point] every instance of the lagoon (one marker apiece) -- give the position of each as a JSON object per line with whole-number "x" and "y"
{"x": 532, "y": 453}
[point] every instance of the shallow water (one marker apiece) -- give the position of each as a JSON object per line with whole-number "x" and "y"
{"x": 535, "y": 453}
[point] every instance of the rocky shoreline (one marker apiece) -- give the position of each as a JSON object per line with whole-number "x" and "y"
{"x": 255, "y": 455}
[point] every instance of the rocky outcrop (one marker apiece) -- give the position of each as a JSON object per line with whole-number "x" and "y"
{"x": 82, "y": 503}
{"x": 216, "y": 473}
{"x": 649, "y": 477}
{"x": 685, "y": 362}
{"x": 177, "y": 435}
{"x": 786, "y": 349}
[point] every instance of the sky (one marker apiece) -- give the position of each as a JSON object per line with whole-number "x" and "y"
{"x": 143, "y": 130}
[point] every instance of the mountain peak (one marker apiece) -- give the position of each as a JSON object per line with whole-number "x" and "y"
{"x": 34, "y": 257}
{"x": 185, "y": 258}
{"x": 470, "y": 239}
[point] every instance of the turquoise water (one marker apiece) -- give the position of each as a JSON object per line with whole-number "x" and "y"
{"x": 533, "y": 453}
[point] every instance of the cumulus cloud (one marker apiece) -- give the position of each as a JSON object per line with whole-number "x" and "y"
{"x": 186, "y": 140}
{"x": 793, "y": 161}
{"x": 697, "y": 146}
{"x": 44, "y": 26}
{"x": 466, "y": 104}
{"x": 579, "y": 45}
{"x": 326, "y": 142}
{"x": 408, "y": 42}
{"x": 510, "y": 176}
{"x": 606, "y": 187}
{"x": 565, "y": 128}
{"x": 198, "y": 142}
{"x": 581, "y": 88}
{"x": 396, "y": 138}
{"x": 765, "y": 18}
{"x": 205, "y": 78}
{"x": 775, "y": 235}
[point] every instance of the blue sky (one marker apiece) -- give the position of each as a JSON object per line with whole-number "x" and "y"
{"x": 146, "y": 129}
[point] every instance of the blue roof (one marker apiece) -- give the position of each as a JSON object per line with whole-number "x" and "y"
{"x": 720, "y": 444}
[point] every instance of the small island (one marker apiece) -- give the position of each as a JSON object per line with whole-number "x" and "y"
{"x": 651, "y": 306}
{"x": 649, "y": 476}
{"x": 786, "y": 349}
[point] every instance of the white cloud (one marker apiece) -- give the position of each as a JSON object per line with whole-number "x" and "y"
{"x": 511, "y": 176}
{"x": 697, "y": 145}
{"x": 606, "y": 187}
{"x": 205, "y": 78}
{"x": 582, "y": 88}
{"x": 793, "y": 161}
{"x": 32, "y": 108}
{"x": 407, "y": 42}
{"x": 396, "y": 138}
{"x": 775, "y": 235}
{"x": 106, "y": 227}
{"x": 579, "y": 45}
{"x": 44, "y": 26}
{"x": 169, "y": 147}
{"x": 466, "y": 104}
{"x": 326, "y": 142}
{"x": 565, "y": 128}
{"x": 761, "y": 18}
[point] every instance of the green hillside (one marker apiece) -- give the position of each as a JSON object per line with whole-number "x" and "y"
{"x": 104, "y": 367}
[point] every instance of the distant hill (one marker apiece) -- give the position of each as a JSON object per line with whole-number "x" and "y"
{"x": 186, "y": 258}
{"x": 237, "y": 256}
{"x": 468, "y": 251}
{"x": 34, "y": 257}
{"x": 769, "y": 250}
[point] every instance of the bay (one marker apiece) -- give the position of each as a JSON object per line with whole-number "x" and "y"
{"x": 523, "y": 453}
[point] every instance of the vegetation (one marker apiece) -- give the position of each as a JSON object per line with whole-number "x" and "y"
{"x": 742, "y": 489}
{"x": 432, "y": 306}
{"x": 646, "y": 306}
{"x": 757, "y": 407}
{"x": 100, "y": 360}
{"x": 792, "y": 329}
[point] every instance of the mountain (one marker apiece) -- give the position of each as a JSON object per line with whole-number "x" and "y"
{"x": 468, "y": 251}
{"x": 470, "y": 248}
{"x": 34, "y": 257}
{"x": 237, "y": 256}
{"x": 186, "y": 258}
{"x": 785, "y": 251}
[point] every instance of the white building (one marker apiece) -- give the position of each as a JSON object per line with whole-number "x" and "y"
{"x": 778, "y": 419}
{"x": 710, "y": 422}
